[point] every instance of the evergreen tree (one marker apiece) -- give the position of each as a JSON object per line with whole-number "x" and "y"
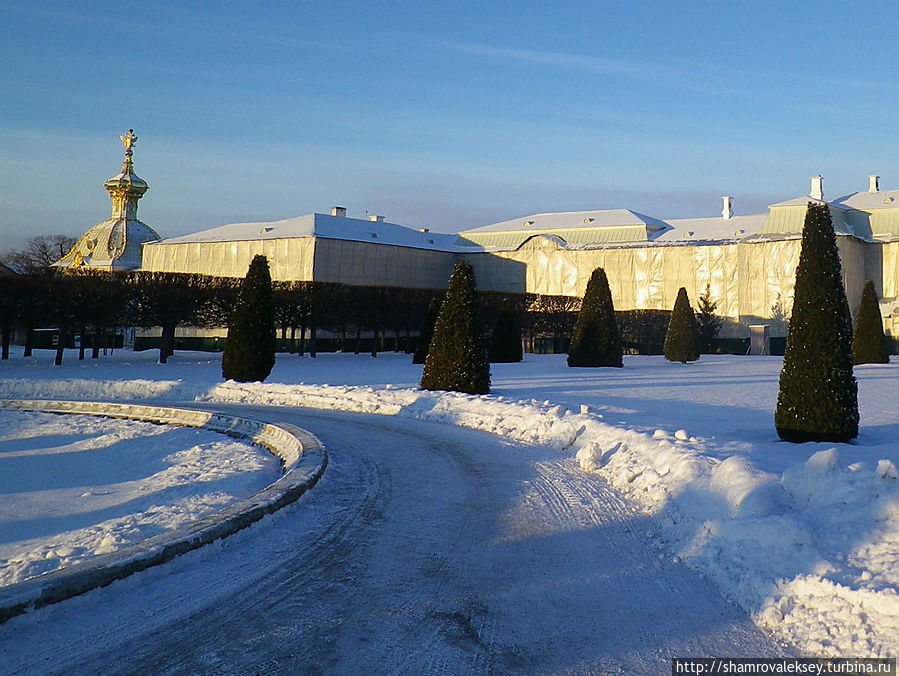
{"x": 250, "y": 350}
{"x": 595, "y": 340}
{"x": 505, "y": 343}
{"x": 427, "y": 331}
{"x": 457, "y": 355}
{"x": 682, "y": 338}
{"x": 869, "y": 345}
{"x": 818, "y": 397}
{"x": 709, "y": 323}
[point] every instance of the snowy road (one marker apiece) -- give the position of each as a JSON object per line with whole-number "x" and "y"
{"x": 424, "y": 549}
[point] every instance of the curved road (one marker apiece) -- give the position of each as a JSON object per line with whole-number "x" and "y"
{"x": 423, "y": 549}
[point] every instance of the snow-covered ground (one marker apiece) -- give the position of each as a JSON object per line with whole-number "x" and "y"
{"x": 74, "y": 486}
{"x": 804, "y": 537}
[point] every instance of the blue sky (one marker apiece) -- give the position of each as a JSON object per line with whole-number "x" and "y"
{"x": 446, "y": 115}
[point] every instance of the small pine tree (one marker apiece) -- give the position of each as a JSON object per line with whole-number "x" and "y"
{"x": 595, "y": 340}
{"x": 427, "y": 331}
{"x": 818, "y": 396}
{"x": 457, "y": 355}
{"x": 682, "y": 338}
{"x": 709, "y": 323}
{"x": 505, "y": 343}
{"x": 250, "y": 351}
{"x": 869, "y": 345}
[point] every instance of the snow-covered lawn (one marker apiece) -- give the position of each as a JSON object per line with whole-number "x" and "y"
{"x": 805, "y": 537}
{"x": 72, "y": 487}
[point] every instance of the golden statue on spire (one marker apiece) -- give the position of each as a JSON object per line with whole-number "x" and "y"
{"x": 128, "y": 140}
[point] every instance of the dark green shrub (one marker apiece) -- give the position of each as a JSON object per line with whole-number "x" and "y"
{"x": 250, "y": 351}
{"x": 595, "y": 340}
{"x": 457, "y": 355}
{"x": 869, "y": 345}
{"x": 682, "y": 338}
{"x": 505, "y": 343}
{"x": 818, "y": 397}
{"x": 708, "y": 322}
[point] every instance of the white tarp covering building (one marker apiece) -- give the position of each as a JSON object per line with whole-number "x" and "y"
{"x": 315, "y": 247}
{"x": 747, "y": 262}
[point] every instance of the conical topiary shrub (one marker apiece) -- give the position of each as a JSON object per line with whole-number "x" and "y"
{"x": 427, "y": 331}
{"x": 869, "y": 345}
{"x": 682, "y": 338}
{"x": 250, "y": 350}
{"x": 595, "y": 340}
{"x": 818, "y": 396}
{"x": 457, "y": 355}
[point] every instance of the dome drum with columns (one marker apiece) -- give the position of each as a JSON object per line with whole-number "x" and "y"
{"x": 116, "y": 243}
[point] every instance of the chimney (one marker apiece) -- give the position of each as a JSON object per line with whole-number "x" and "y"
{"x": 817, "y": 191}
{"x": 338, "y": 211}
{"x": 376, "y": 219}
{"x": 873, "y": 183}
{"x": 727, "y": 210}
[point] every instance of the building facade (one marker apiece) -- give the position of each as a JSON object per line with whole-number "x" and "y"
{"x": 747, "y": 262}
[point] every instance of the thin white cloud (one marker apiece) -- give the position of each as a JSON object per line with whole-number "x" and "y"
{"x": 689, "y": 75}
{"x": 569, "y": 61}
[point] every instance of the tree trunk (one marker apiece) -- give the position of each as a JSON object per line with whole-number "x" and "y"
{"x": 29, "y": 341}
{"x": 374, "y": 342}
{"x": 167, "y": 344}
{"x": 313, "y": 345}
{"x": 302, "y": 349}
{"x": 61, "y": 347}
{"x": 81, "y": 344}
{"x": 98, "y": 338}
{"x": 7, "y": 337}
{"x": 358, "y": 336}
{"x": 170, "y": 343}
{"x": 293, "y": 340}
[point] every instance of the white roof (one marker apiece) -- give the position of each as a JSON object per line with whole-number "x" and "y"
{"x": 573, "y": 219}
{"x": 326, "y": 227}
{"x": 867, "y": 201}
{"x": 804, "y": 200}
{"x": 114, "y": 244}
{"x": 713, "y": 229}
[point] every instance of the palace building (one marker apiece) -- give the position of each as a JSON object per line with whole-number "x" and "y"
{"x": 747, "y": 262}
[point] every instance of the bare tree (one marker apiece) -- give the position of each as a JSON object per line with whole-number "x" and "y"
{"x": 39, "y": 253}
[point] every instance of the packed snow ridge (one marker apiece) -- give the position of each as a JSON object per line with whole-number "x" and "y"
{"x": 809, "y": 548}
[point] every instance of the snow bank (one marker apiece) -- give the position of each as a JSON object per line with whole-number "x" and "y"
{"x": 76, "y": 388}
